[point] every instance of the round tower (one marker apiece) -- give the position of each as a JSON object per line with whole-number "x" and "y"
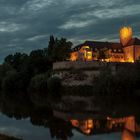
{"x": 125, "y": 35}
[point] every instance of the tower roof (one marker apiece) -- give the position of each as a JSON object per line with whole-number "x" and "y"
{"x": 133, "y": 41}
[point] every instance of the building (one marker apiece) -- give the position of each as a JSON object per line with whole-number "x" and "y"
{"x": 127, "y": 50}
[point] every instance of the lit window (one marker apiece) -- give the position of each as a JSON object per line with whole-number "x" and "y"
{"x": 114, "y": 50}
{"x": 89, "y": 55}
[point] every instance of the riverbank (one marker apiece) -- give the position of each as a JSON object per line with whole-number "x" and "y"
{"x": 5, "y": 137}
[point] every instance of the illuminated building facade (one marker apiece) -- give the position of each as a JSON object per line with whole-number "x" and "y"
{"x": 128, "y": 50}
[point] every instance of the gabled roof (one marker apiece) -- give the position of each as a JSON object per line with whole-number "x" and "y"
{"x": 133, "y": 41}
{"x": 115, "y": 45}
{"x": 98, "y": 45}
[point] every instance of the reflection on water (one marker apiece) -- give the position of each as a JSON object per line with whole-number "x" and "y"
{"x": 86, "y": 126}
{"x": 125, "y": 124}
{"x": 62, "y": 126}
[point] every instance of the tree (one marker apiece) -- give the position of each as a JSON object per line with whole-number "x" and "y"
{"x": 61, "y": 50}
{"x": 58, "y": 50}
{"x": 51, "y": 46}
{"x": 38, "y": 62}
{"x": 16, "y": 61}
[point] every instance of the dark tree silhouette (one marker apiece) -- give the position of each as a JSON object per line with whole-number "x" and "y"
{"x": 62, "y": 50}
{"x": 17, "y": 60}
{"x": 51, "y": 46}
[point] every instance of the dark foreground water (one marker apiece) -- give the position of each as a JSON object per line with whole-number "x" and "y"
{"x": 27, "y": 131}
{"x": 61, "y": 129}
{"x": 22, "y": 118}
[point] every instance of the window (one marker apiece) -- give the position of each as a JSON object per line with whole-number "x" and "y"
{"x": 119, "y": 50}
{"x": 114, "y": 50}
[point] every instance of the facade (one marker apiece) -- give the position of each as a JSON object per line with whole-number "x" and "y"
{"x": 128, "y": 50}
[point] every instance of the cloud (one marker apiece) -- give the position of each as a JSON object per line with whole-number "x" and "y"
{"x": 26, "y": 24}
{"x": 117, "y": 12}
{"x": 37, "y": 37}
{"x": 36, "y": 5}
{"x": 10, "y": 27}
{"x": 76, "y": 24}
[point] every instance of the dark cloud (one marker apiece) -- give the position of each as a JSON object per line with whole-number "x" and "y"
{"x": 27, "y": 24}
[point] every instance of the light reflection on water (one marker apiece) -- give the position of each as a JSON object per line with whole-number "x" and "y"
{"x": 126, "y": 124}
{"x": 25, "y": 130}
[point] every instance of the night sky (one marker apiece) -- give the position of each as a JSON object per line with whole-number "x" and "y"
{"x": 27, "y": 24}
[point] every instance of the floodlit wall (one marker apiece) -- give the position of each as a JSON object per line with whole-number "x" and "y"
{"x": 129, "y": 54}
{"x": 116, "y": 57}
{"x": 74, "y": 56}
{"x": 84, "y": 54}
{"x": 137, "y": 52}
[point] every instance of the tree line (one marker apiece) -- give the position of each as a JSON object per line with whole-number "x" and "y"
{"x": 29, "y": 74}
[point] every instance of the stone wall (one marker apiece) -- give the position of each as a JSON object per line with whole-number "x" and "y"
{"x": 78, "y": 65}
{"x": 83, "y": 73}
